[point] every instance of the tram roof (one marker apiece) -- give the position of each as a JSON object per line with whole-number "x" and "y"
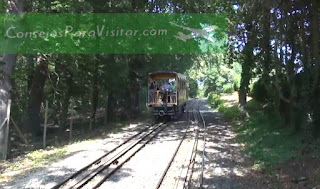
{"x": 159, "y": 72}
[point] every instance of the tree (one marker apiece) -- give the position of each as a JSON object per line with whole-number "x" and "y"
{"x": 315, "y": 29}
{"x": 36, "y": 94}
{"x": 9, "y": 60}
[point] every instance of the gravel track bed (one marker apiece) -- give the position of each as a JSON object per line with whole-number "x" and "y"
{"x": 225, "y": 164}
{"x": 196, "y": 172}
{"x": 177, "y": 171}
{"x": 125, "y": 158}
{"x": 146, "y": 167}
{"x": 78, "y": 156}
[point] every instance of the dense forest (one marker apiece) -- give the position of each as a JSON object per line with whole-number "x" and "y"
{"x": 273, "y": 42}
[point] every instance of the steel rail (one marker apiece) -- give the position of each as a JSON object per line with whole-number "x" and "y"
{"x": 204, "y": 149}
{"x": 121, "y": 164}
{"x": 97, "y": 160}
{"x": 187, "y": 180}
{"x": 103, "y": 167}
{"x": 174, "y": 155}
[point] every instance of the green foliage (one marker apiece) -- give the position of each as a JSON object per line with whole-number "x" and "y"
{"x": 74, "y": 77}
{"x": 228, "y": 88}
{"x": 229, "y": 113}
{"x": 220, "y": 77}
{"x": 201, "y": 92}
{"x": 259, "y": 92}
{"x": 193, "y": 88}
{"x": 254, "y": 106}
{"x": 214, "y": 99}
{"x": 236, "y": 82}
{"x": 3, "y": 6}
{"x": 266, "y": 142}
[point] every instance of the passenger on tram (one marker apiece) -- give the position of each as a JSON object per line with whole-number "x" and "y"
{"x": 173, "y": 92}
{"x": 166, "y": 86}
{"x": 152, "y": 91}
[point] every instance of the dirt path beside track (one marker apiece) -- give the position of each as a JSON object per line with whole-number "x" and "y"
{"x": 226, "y": 166}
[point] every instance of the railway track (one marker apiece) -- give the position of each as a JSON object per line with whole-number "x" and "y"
{"x": 95, "y": 173}
{"x": 164, "y": 174}
{"x": 203, "y": 150}
{"x": 183, "y": 180}
{"x": 188, "y": 145}
{"x": 190, "y": 167}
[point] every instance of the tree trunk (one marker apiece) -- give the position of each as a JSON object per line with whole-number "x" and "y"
{"x": 106, "y": 110}
{"x": 266, "y": 64}
{"x": 267, "y": 47}
{"x": 30, "y": 62}
{"x": 94, "y": 99}
{"x": 134, "y": 87}
{"x": 5, "y": 87}
{"x": 316, "y": 61}
{"x": 290, "y": 73}
{"x": 137, "y": 100}
{"x": 9, "y": 60}
{"x": 244, "y": 85}
{"x": 36, "y": 96}
{"x": 66, "y": 103}
{"x": 110, "y": 109}
{"x": 134, "y": 102}
{"x": 246, "y": 72}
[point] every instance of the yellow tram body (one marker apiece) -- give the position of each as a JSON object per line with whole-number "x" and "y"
{"x": 167, "y": 93}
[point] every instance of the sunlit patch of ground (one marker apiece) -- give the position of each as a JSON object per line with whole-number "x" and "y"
{"x": 231, "y": 99}
{"x": 55, "y": 160}
{"x": 32, "y": 161}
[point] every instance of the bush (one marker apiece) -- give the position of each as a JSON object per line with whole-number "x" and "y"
{"x": 214, "y": 99}
{"x": 229, "y": 113}
{"x": 266, "y": 142}
{"x": 228, "y": 88}
{"x": 236, "y": 86}
{"x": 259, "y": 92}
{"x": 222, "y": 108}
{"x": 236, "y": 83}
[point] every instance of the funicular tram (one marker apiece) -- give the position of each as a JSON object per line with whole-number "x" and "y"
{"x": 167, "y": 93}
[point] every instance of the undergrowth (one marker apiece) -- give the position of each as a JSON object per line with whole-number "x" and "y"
{"x": 229, "y": 113}
{"x": 266, "y": 141}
